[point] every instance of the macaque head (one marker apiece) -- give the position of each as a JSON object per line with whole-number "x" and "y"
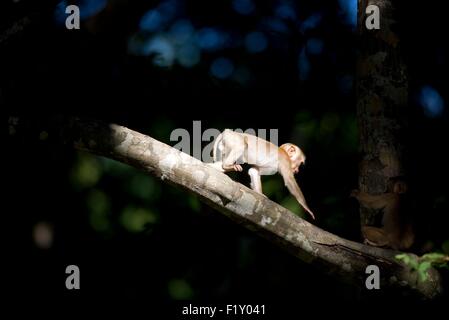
{"x": 295, "y": 154}
{"x": 397, "y": 185}
{"x": 400, "y": 187}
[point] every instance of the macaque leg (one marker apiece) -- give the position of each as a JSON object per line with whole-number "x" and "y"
{"x": 256, "y": 183}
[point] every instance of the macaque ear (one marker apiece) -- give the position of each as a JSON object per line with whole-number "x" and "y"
{"x": 291, "y": 150}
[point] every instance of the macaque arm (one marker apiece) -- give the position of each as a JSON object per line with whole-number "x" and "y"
{"x": 294, "y": 189}
{"x": 292, "y": 186}
{"x": 230, "y": 159}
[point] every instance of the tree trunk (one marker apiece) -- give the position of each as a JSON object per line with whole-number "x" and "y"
{"x": 382, "y": 96}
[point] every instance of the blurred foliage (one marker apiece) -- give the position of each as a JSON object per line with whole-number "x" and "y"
{"x": 90, "y": 171}
{"x": 194, "y": 203}
{"x": 272, "y": 187}
{"x": 43, "y": 135}
{"x": 86, "y": 172}
{"x": 143, "y": 187}
{"x": 116, "y": 169}
{"x": 424, "y": 263}
{"x": 180, "y": 289}
{"x": 99, "y": 206}
{"x": 291, "y": 204}
{"x": 93, "y": 176}
{"x": 136, "y": 219}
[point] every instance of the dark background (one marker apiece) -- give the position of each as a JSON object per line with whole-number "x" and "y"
{"x": 134, "y": 237}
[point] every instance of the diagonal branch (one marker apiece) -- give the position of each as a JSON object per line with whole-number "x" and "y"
{"x": 334, "y": 255}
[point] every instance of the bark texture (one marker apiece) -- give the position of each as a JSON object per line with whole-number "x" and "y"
{"x": 382, "y": 97}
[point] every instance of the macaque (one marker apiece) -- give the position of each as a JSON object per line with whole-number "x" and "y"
{"x": 396, "y": 232}
{"x": 231, "y": 149}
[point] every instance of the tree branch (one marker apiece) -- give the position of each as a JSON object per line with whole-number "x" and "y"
{"x": 342, "y": 258}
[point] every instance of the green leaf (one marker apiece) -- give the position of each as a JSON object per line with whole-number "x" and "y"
{"x": 414, "y": 264}
{"x": 422, "y": 270}
{"x": 404, "y": 257}
{"x": 409, "y": 260}
{"x": 433, "y": 257}
{"x": 436, "y": 259}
